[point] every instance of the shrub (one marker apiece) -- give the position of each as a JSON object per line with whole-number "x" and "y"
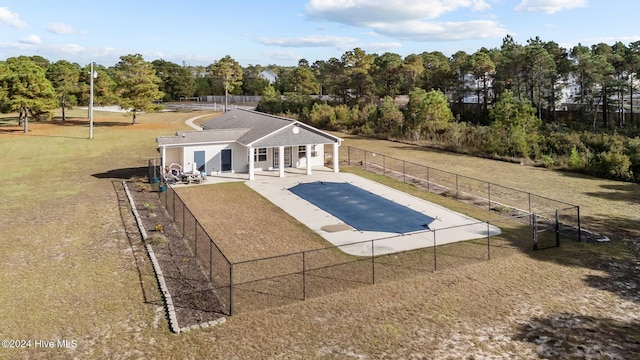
{"x": 149, "y": 206}
{"x": 547, "y": 161}
{"x": 614, "y": 165}
{"x": 575, "y": 160}
{"x": 634, "y": 156}
{"x": 156, "y": 239}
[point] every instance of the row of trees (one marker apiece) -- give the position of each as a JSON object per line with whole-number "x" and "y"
{"x": 602, "y": 76}
{"x": 598, "y": 80}
{"x": 34, "y": 86}
{"x": 515, "y": 131}
{"x": 516, "y": 89}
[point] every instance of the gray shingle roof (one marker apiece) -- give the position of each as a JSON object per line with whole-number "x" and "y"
{"x": 205, "y": 136}
{"x": 251, "y": 128}
{"x": 260, "y": 124}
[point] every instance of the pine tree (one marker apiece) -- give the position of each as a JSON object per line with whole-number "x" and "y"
{"x": 138, "y": 85}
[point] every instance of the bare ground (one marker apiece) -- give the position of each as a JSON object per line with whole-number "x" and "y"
{"x": 71, "y": 270}
{"x": 191, "y": 291}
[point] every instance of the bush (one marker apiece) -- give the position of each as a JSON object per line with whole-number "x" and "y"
{"x": 575, "y": 160}
{"x": 634, "y": 156}
{"x": 156, "y": 239}
{"x": 547, "y": 161}
{"x": 613, "y": 165}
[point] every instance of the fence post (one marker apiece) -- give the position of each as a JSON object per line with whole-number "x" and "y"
{"x": 488, "y": 241}
{"x": 529, "y": 203}
{"x": 384, "y": 165}
{"x": 174, "y": 205}
{"x": 365, "y": 160}
{"x": 231, "y": 289}
{"x": 435, "y": 263}
{"x": 579, "y": 228}
{"x": 557, "y": 229}
{"x": 457, "y": 190}
{"x": 535, "y": 232}
{"x": 373, "y": 264}
{"x": 211, "y": 260}
{"x": 489, "y": 195}
{"x": 428, "y": 179}
{"x": 404, "y": 171}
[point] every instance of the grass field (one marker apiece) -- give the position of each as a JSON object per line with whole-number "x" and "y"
{"x": 73, "y": 269}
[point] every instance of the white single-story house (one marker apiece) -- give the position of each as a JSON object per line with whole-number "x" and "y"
{"x": 245, "y": 141}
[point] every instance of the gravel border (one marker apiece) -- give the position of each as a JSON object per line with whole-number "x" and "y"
{"x": 169, "y": 305}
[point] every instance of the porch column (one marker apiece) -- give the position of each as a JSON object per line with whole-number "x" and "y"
{"x": 163, "y": 160}
{"x": 281, "y": 160}
{"x": 251, "y": 163}
{"x": 307, "y": 151}
{"x": 335, "y": 157}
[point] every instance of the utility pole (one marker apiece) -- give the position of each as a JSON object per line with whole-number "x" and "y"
{"x": 92, "y": 75}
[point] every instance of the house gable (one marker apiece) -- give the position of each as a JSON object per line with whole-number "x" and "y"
{"x": 294, "y": 135}
{"x": 265, "y": 130}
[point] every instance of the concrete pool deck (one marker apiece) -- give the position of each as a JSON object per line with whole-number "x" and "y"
{"x": 449, "y": 226}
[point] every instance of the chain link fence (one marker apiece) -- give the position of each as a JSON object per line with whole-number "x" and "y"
{"x": 525, "y": 220}
{"x": 501, "y": 200}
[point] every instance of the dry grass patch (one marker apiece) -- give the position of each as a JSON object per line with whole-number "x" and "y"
{"x": 72, "y": 270}
{"x": 245, "y": 225}
{"x": 263, "y": 231}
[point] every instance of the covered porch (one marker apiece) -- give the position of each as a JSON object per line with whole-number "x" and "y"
{"x": 287, "y": 158}
{"x": 269, "y": 175}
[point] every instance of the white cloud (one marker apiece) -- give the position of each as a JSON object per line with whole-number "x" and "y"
{"x": 283, "y": 55}
{"x": 11, "y": 19}
{"x": 610, "y": 39}
{"x": 384, "y": 45}
{"x": 441, "y": 31}
{"x": 60, "y": 28}
{"x": 381, "y": 47}
{"x": 408, "y": 19}
{"x": 549, "y": 6}
{"x": 310, "y": 41}
{"x": 363, "y": 12}
{"x": 32, "y": 39}
{"x": 14, "y": 49}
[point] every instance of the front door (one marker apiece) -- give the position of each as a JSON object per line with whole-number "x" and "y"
{"x": 287, "y": 157}
{"x": 225, "y": 160}
{"x": 198, "y": 159}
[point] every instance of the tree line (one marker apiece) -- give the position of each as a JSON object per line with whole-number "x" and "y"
{"x": 501, "y": 102}
{"x": 516, "y": 113}
{"x": 34, "y": 86}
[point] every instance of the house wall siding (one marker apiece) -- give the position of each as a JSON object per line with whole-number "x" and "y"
{"x": 185, "y": 155}
{"x": 213, "y": 157}
{"x": 173, "y": 155}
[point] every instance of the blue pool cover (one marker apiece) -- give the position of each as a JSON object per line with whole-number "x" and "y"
{"x": 362, "y": 209}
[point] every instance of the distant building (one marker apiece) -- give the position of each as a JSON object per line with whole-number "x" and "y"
{"x": 269, "y": 75}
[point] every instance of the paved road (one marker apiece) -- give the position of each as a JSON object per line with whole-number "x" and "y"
{"x": 191, "y": 120}
{"x": 204, "y": 106}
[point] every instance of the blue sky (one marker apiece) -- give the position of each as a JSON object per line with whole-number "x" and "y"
{"x": 199, "y": 32}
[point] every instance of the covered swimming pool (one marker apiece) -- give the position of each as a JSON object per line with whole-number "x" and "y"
{"x": 362, "y": 209}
